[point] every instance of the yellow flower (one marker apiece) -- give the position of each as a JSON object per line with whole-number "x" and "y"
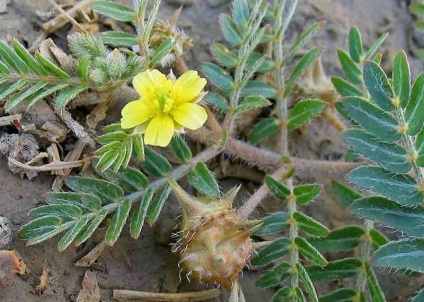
{"x": 166, "y": 105}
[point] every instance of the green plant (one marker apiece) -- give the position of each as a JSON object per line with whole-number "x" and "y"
{"x": 261, "y": 91}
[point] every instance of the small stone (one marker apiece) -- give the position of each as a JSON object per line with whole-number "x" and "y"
{"x": 5, "y": 233}
{"x": 178, "y": 3}
{"x": 3, "y": 6}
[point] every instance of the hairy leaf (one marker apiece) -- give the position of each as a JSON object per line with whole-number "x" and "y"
{"x": 276, "y": 187}
{"x": 72, "y": 233}
{"x": 118, "y": 221}
{"x": 106, "y": 191}
{"x": 155, "y": 163}
{"x": 310, "y": 225}
{"x": 275, "y": 276}
{"x": 401, "y": 188}
{"x": 334, "y": 270}
{"x": 303, "y": 112}
{"x": 263, "y": 129}
{"x": 344, "y": 238}
{"x": 277, "y": 249}
{"x": 406, "y": 254}
{"x": 405, "y": 219}
{"x": 273, "y": 223}
{"x": 137, "y": 218}
{"x": 414, "y": 109}
{"x": 114, "y": 10}
{"x": 156, "y": 205}
{"x": 306, "y": 193}
{"x": 378, "y": 85}
{"x": 309, "y": 252}
{"x": 202, "y": 179}
{"x": 350, "y": 69}
{"x": 401, "y": 78}
{"x": 355, "y": 44}
{"x": 388, "y": 155}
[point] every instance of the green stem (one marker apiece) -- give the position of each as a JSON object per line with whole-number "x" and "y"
{"x": 364, "y": 257}
{"x": 410, "y": 147}
{"x": 281, "y": 21}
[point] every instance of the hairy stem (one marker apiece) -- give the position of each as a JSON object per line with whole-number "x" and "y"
{"x": 364, "y": 256}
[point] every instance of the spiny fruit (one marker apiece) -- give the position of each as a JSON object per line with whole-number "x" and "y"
{"x": 214, "y": 243}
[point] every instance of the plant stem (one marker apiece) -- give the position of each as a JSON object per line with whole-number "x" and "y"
{"x": 364, "y": 256}
{"x": 410, "y": 147}
{"x": 281, "y": 22}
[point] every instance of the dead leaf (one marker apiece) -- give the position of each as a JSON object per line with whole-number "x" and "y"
{"x": 90, "y": 291}
{"x": 44, "y": 279}
{"x": 92, "y": 256}
{"x": 10, "y": 262}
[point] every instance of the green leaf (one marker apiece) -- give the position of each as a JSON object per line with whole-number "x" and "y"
{"x": 137, "y": 219}
{"x": 273, "y": 223}
{"x": 50, "y": 67}
{"x": 308, "y": 251}
{"x": 42, "y": 94}
{"x": 163, "y": 49}
{"x": 230, "y": 30}
{"x": 12, "y": 88}
{"x": 25, "y": 93}
{"x": 417, "y": 9}
{"x": 217, "y": 101}
{"x": 109, "y": 157}
{"x": 401, "y": 78}
{"x": 217, "y": 76}
{"x": 117, "y": 38}
{"x": 266, "y": 65}
{"x": 374, "y": 120}
{"x": 91, "y": 227}
{"x": 254, "y": 87}
{"x": 106, "y": 191}
{"x": 306, "y": 193}
{"x": 277, "y": 249}
{"x": 65, "y": 96}
{"x": 377, "y": 238}
{"x": 277, "y": 188}
{"x": 157, "y": 204}
{"x": 345, "y": 194}
{"x": 301, "y": 41}
{"x": 310, "y": 225}
{"x": 114, "y": 10}
{"x": 401, "y": 188}
{"x": 344, "y": 238}
{"x": 263, "y": 130}
{"x": 64, "y": 212}
{"x": 388, "y": 155}
{"x": 378, "y": 85}
{"x": 180, "y": 148}
{"x": 293, "y": 294}
{"x": 406, "y": 254}
{"x": 11, "y": 58}
{"x": 405, "y": 219}
{"x": 355, "y": 44}
{"x": 83, "y": 68}
{"x": 118, "y": 221}
{"x": 419, "y": 25}
{"x": 375, "y": 291}
{"x": 335, "y": 270}
{"x": 3, "y": 69}
{"x": 414, "y": 109}
{"x": 129, "y": 179}
{"x": 375, "y": 46}
{"x": 86, "y": 202}
{"x": 155, "y": 163}
{"x": 24, "y": 54}
{"x": 202, "y": 179}
{"x": 251, "y": 102}
{"x": 307, "y": 282}
{"x": 240, "y": 11}
{"x": 303, "y": 112}
{"x": 350, "y": 69}
{"x": 275, "y": 276}
{"x": 41, "y": 229}
{"x": 419, "y": 147}
{"x": 223, "y": 55}
{"x": 340, "y": 295}
{"x": 72, "y": 233}
{"x": 304, "y": 64}
{"x": 139, "y": 146}
{"x": 419, "y": 297}
{"x": 344, "y": 88}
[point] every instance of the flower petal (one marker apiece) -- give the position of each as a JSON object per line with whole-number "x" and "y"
{"x": 187, "y": 87}
{"x": 135, "y": 113}
{"x": 148, "y": 81}
{"x": 160, "y": 130}
{"x": 189, "y": 115}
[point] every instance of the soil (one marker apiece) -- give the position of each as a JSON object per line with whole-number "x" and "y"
{"x": 148, "y": 264}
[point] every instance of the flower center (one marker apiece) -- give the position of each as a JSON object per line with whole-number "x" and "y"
{"x": 164, "y": 101}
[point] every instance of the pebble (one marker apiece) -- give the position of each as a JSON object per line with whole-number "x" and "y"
{"x": 5, "y": 233}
